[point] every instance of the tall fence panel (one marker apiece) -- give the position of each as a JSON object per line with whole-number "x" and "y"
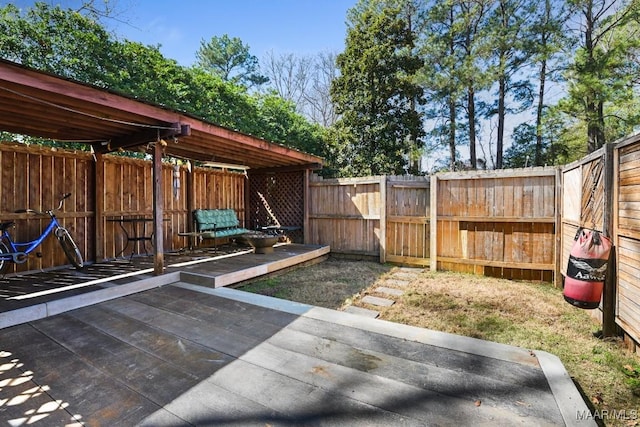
{"x": 408, "y": 215}
{"x": 583, "y": 199}
{"x": 35, "y": 177}
{"x": 627, "y": 237}
{"x": 496, "y": 223}
{"x": 346, "y": 214}
{"x": 585, "y": 204}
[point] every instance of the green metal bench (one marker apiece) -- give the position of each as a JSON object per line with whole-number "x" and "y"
{"x": 215, "y": 224}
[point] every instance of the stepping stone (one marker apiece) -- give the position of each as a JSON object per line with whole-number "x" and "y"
{"x": 410, "y": 270}
{"x": 362, "y": 311}
{"x": 396, "y": 282}
{"x": 404, "y": 276}
{"x": 389, "y": 291}
{"x": 382, "y": 302}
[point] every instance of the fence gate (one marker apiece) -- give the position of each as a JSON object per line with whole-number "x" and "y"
{"x": 407, "y": 220}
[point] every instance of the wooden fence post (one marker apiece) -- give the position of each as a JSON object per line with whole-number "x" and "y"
{"x": 158, "y": 210}
{"x": 99, "y": 188}
{"x": 609, "y": 293}
{"x": 433, "y": 224}
{"x": 383, "y": 219}
{"x": 558, "y": 234}
{"x": 306, "y": 235}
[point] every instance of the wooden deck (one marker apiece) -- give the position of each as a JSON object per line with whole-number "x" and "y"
{"x": 37, "y": 295}
{"x": 187, "y": 351}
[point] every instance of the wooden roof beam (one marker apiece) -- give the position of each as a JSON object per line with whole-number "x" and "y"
{"x": 144, "y": 137}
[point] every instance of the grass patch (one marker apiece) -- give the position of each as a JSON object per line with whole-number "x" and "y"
{"x": 528, "y": 315}
{"x": 329, "y": 284}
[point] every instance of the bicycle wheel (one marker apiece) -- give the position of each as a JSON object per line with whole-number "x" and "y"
{"x": 70, "y": 248}
{"x": 4, "y": 263}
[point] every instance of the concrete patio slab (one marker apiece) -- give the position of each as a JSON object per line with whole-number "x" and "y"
{"x": 185, "y": 354}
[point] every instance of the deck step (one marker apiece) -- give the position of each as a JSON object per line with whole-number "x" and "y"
{"x": 381, "y": 302}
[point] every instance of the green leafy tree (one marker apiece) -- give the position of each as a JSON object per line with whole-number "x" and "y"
{"x": 375, "y": 94}
{"x": 474, "y": 75}
{"x": 278, "y": 121}
{"x": 599, "y": 78}
{"x": 440, "y": 75}
{"x": 72, "y": 45}
{"x": 230, "y": 59}
{"x": 59, "y": 41}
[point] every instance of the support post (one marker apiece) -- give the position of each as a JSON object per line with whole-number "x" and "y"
{"x": 191, "y": 197}
{"x": 158, "y": 211}
{"x": 306, "y": 237}
{"x": 557, "y": 274}
{"x": 433, "y": 224}
{"x": 383, "y": 219}
{"x": 247, "y": 203}
{"x": 609, "y": 328}
{"x": 99, "y": 188}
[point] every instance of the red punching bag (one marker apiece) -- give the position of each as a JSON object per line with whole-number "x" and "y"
{"x": 586, "y": 269}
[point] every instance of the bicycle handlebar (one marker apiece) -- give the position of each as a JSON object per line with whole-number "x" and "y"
{"x": 64, "y": 196}
{"x": 33, "y": 211}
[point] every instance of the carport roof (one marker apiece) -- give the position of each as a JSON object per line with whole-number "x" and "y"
{"x": 44, "y": 105}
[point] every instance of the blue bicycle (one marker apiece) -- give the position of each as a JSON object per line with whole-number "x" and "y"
{"x": 17, "y": 252}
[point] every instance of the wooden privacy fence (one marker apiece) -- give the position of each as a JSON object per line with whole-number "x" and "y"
{"x": 602, "y": 191}
{"x": 498, "y": 223}
{"x": 35, "y": 177}
{"x": 128, "y": 191}
{"x": 626, "y": 236}
{"x": 381, "y": 216}
{"x": 517, "y": 224}
{"x": 346, "y": 214}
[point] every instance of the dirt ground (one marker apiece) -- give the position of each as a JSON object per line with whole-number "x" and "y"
{"x": 526, "y": 314}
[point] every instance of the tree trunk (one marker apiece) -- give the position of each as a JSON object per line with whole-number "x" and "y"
{"x": 452, "y": 132}
{"x": 543, "y": 76}
{"x": 501, "y": 119}
{"x": 471, "y": 106}
{"x": 543, "y": 79}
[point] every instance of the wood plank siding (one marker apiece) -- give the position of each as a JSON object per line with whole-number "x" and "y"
{"x": 627, "y": 239}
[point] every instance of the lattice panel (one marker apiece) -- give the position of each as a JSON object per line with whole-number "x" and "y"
{"x": 284, "y": 195}
{"x": 593, "y": 197}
